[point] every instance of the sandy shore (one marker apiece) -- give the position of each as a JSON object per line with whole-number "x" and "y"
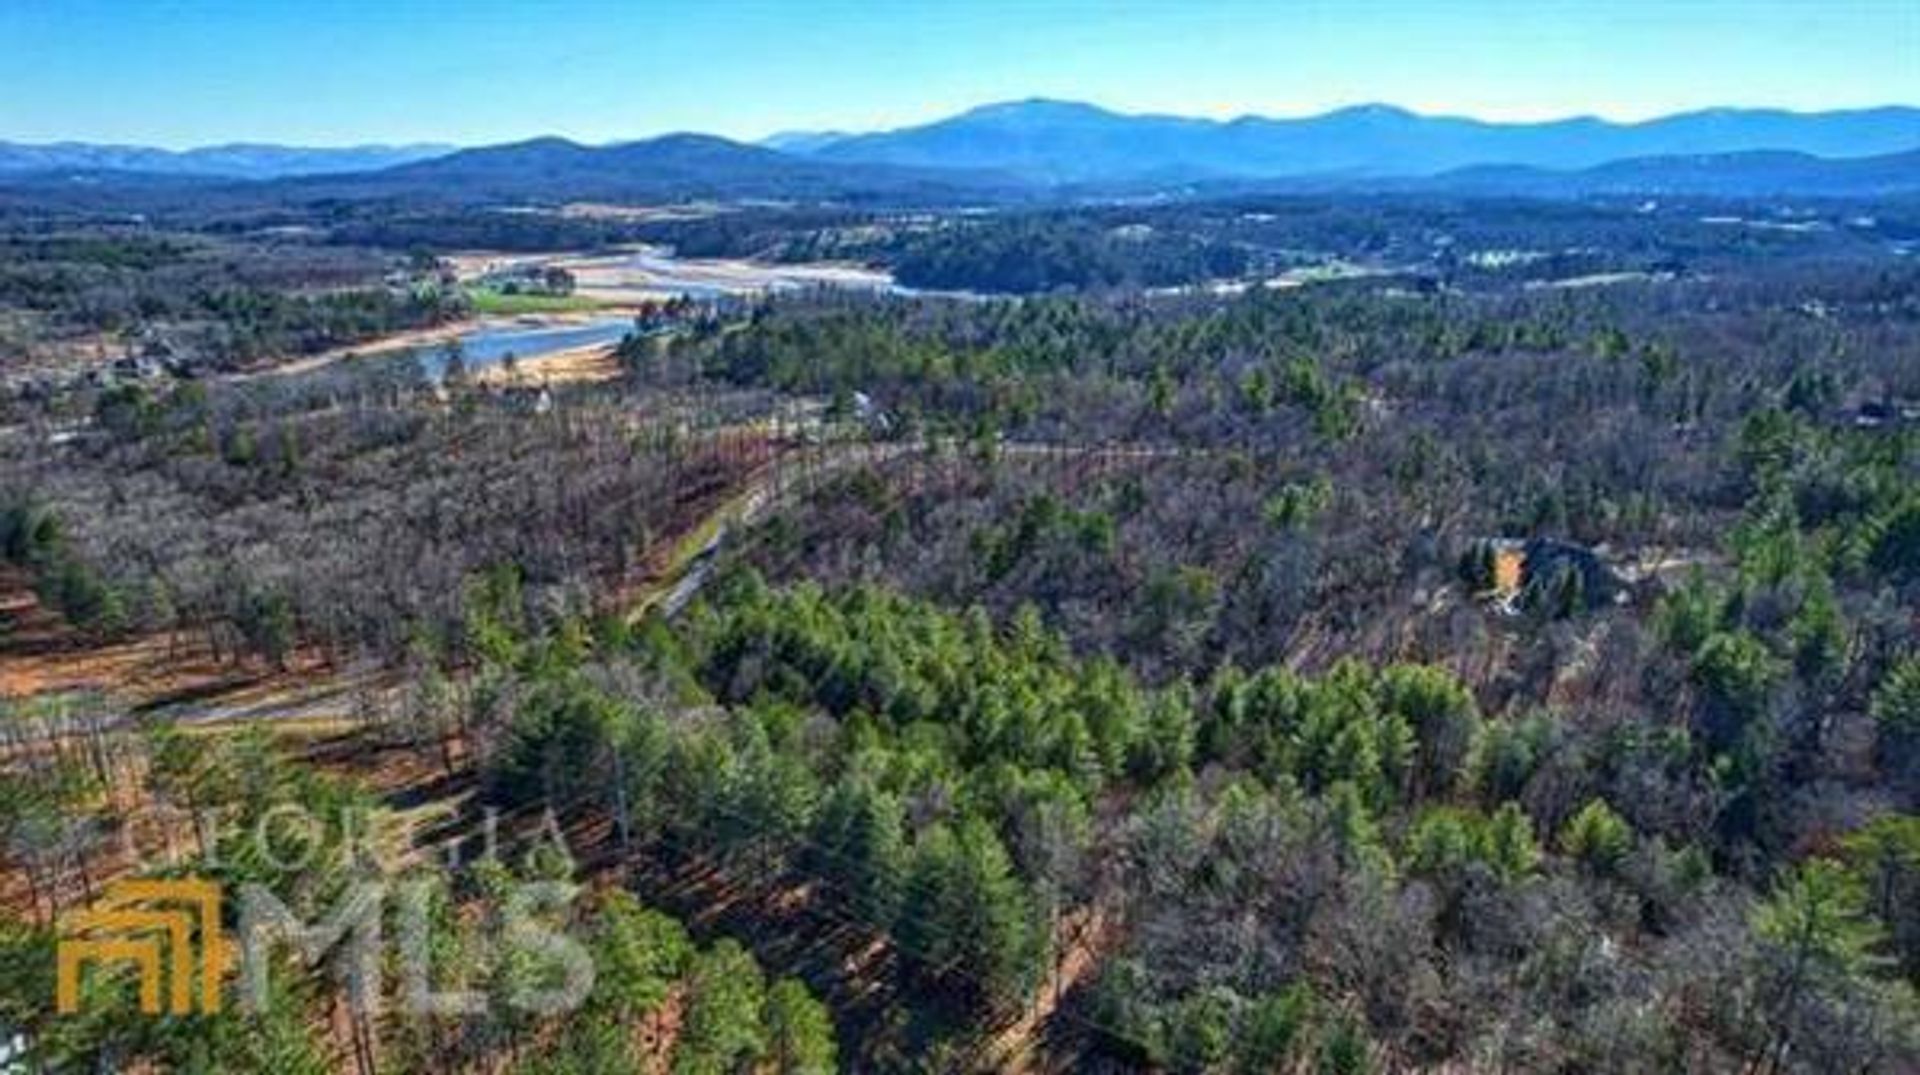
{"x": 413, "y": 338}
{"x": 442, "y": 333}
{"x": 576, "y": 365}
{"x": 649, "y": 274}
{"x": 646, "y": 275}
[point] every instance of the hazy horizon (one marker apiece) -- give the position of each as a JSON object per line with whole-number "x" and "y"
{"x": 179, "y": 76}
{"x": 848, "y": 130}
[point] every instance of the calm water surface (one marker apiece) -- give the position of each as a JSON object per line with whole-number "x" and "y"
{"x": 490, "y": 345}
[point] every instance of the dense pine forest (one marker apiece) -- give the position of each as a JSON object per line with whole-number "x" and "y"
{"x": 1283, "y": 634}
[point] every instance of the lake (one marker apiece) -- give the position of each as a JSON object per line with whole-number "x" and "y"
{"x": 490, "y": 344}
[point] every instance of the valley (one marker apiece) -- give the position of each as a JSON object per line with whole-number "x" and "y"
{"x": 1046, "y": 589}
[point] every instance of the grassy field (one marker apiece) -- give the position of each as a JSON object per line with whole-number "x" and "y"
{"x": 489, "y": 301}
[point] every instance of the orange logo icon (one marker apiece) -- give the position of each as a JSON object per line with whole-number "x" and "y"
{"x": 150, "y": 924}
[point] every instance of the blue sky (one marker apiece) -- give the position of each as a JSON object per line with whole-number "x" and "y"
{"x": 472, "y": 71}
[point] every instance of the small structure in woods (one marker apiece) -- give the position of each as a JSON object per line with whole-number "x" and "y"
{"x": 1542, "y": 573}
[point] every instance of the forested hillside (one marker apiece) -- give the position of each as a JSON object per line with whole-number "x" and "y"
{"x": 1291, "y": 643}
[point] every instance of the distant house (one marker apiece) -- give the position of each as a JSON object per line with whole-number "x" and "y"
{"x": 520, "y": 398}
{"x": 528, "y": 278}
{"x": 1875, "y": 414}
{"x": 139, "y": 368}
{"x": 1549, "y": 563}
{"x": 869, "y": 414}
{"x": 1544, "y": 573}
{"x": 1509, "y": 566}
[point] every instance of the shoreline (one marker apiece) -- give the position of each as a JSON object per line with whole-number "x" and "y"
{"x": 441, "y": 333}
{"x": 591, "y": 363}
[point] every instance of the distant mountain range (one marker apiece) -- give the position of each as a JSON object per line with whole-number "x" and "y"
{"x": 1065, "y": 142}
{"x": 1051, "y": 149}
{"x": 1044, "y": 149}
{"x": 803, "y": 141}
{"x": 1751, "y": 174}
{"x": 671, "y": 166}
{"x": 234, "y": 161}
